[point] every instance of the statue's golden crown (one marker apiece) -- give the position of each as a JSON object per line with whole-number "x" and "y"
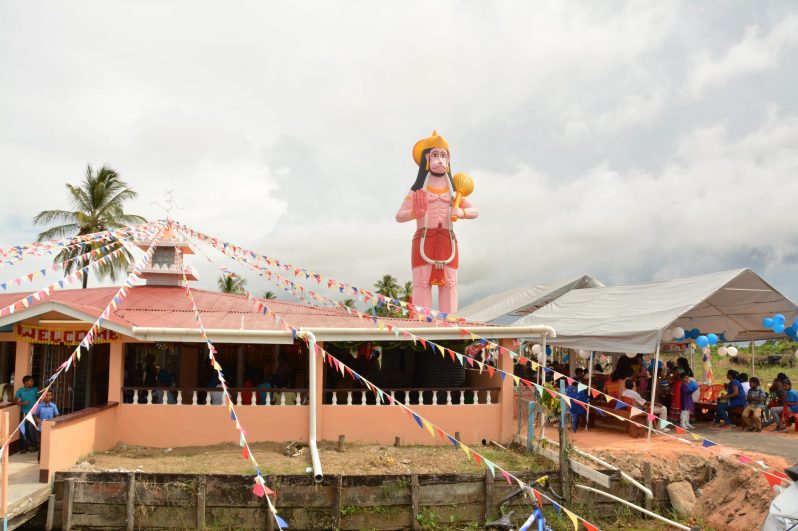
{"x": 433, "y": 141}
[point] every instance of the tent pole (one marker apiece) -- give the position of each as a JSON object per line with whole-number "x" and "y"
{"x": 654, "y": 388}
{"x": 753, "y": 368}
{"x": 590, "y": 386}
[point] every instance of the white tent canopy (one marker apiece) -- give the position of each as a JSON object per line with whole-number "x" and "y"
{"x": 632, "y": 318}
{"x": 508, "y": 306}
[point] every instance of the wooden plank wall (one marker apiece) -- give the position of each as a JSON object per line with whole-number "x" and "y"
{"x": 93, "y": 500}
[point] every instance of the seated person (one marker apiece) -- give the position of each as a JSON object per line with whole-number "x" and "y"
{"x": 572, "y": 391}
{"x": 756, "y": 398}
{"x": 735, "y": 397}
{"x": 791, "y": 396}
{"x": 661, "y": 411}
{"x": 614, "y": 387}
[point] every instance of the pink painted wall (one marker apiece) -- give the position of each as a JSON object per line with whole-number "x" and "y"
{"x": 165, "y": 426}
{"x": 63, "y": 443}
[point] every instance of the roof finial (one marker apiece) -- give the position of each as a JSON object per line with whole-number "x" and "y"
{"x": 169, "y": 203}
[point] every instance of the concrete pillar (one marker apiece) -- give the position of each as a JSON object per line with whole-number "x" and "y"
{"x": 506, "y": 395}
{"x": 23, "y": 363}
{"x": 116, "y": 371}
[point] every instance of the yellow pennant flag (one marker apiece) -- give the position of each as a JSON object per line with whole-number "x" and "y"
{"x": 440, "y": 347}
{"x": 517, "y": 380}
{"x": 573, "y": 518}
{"x": 696, "y": 437}
{"x": 467, "y": 450}
{"x": 429, "y": 427}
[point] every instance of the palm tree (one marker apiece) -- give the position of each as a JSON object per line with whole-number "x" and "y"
{"x": 387, "y": 286}
{"x": 98, "y": 204}
{"x": 269, "y": 295}
{"x": 231, "y": 284}
{"x": 348, "y": 302}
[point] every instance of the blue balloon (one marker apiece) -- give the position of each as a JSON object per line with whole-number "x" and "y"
{"x": 767, "y": 322}
{"x": 778, "y": 319}
{"x": 790, "y": 331}
{"x": 778, "y": 328}
{"x": 795, "y": 323}
{"x": 702, "y": 341}
{"x": 713, "y": 339}
{"x": 695, "y": 332}
{"x": 548, "y": 351}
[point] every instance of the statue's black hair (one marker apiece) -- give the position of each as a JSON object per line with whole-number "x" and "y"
{"x": 422, "y": 172}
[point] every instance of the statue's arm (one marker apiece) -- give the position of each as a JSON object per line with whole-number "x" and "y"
{"x": 469, "y": 210}
{"x": 413, "y": 207}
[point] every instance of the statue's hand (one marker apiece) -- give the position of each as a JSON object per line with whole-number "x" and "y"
{"x": 458, "y": 213}
{"x": 419, "y": 204}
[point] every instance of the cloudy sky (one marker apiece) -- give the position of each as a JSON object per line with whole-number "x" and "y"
{"x": 630, "y": 141}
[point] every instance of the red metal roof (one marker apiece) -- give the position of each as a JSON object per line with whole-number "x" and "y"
{"x": 168, "y": 307}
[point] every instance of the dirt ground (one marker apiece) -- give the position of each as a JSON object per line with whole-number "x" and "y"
{"x": 356, "y": 459}
{"x": 733, "y": 496}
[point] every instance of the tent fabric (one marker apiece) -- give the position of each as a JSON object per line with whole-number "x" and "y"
{"x": 505, "y": 307}
{"x": 633, "y": 318}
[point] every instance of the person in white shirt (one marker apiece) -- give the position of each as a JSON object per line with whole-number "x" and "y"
{"x": 641, "y": 402}
{"x": 743, "y": 379}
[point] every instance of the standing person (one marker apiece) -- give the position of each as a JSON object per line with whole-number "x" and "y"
{"x": 25, "y": 397}
{"x": 756, "y": 397}
{"x": 790, "y": 396}
{"x": 735, "y": 397}
{"x": 46, "y": 410}
{"x": 686, "y": 402}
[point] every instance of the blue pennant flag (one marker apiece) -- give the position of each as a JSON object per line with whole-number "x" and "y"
{"x": 620, "y": 405}
{"x": 232, "y": 414}
{"x": 707, "y": 443}
{"x": 453, "y": 441}
{"x": 282, "y": 523}
{"x": 418, "y": 420}
{"x": 502, "y": 375}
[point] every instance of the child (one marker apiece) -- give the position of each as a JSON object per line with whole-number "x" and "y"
{"x": 686, "y": 398}
{"x": 573, "y": 392}
{"x": 756, "y": 402}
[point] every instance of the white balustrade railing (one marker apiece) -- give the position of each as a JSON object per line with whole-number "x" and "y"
{"x": 214, "y": 397}
{"x": 413, "y": 397}
{"x": 299, "y": 397}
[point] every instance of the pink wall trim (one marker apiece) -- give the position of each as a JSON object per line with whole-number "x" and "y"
{"x": 63, "y": 443}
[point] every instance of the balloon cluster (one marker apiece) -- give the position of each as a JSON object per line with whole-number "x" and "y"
{"x": 730, "y": 351}
{"x": 702, "y": 340}
{"x": 777, "y": 324}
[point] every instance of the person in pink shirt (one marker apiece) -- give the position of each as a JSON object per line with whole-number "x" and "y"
{"x": 431, "y": 203}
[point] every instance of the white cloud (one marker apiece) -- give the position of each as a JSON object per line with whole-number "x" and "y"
{"x": 754, "y": 53}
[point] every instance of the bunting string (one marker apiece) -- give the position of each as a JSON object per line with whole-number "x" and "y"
{"x": 20, "y": 252}
{"x": 303, "y": 293}
{"x": 41, "y": 273}
{"x": 259, "y": 489}
{"x": 88, "y": 339}
{"x": 421, "y": 421}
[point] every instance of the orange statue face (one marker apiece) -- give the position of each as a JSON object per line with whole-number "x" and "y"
{"x": 438, "y": 160}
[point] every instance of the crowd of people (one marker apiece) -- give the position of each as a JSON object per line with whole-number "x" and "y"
{"x": 678, "y": 392}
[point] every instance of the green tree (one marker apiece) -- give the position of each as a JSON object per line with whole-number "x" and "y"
{"x": 98, "y": 204}
{"x": 387, "y": 286}
{"x": 231, "y": 284}
{"x": 269, "y": 295}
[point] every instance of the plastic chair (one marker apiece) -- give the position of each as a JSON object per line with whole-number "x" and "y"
{"x": 787, "y": 414}
{"x": 715, "y": 391}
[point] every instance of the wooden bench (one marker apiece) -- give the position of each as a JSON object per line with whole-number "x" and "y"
{"x": 633, "y": 430}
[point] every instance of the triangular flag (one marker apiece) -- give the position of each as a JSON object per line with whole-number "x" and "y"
{"x": 572, "y": 517}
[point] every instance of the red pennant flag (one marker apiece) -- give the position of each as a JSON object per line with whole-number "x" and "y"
{"x": 490, "y": 371}
{"x": 589, "y": 526}
{"x": 257, "y": 490}
{"x": 507, "y": 477}
{"x": 245, "y": 452}
{"x": 679, "y": 430}
{"x": 423, "y": 343}
{"x": 537, "y": 495}
{"x": 476, "y": 457}
{"x": 773, "y": 480}
{"x": 451, "y": 353}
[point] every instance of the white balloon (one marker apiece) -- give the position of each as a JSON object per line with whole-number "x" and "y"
{"x": 537, "y": 349}
{"x": 631, "y": 354}
{"x": 732, "y": 351}
{"x": 678, "y": 332}
{"x": 582, "y": 353}
{"x": 722, "y": 351}
{"x": 542, "y": 358}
